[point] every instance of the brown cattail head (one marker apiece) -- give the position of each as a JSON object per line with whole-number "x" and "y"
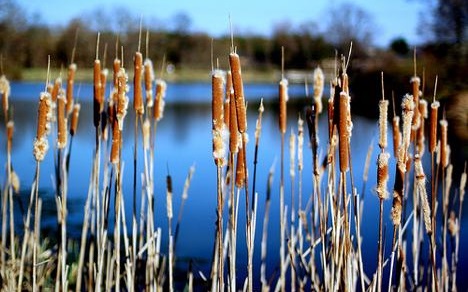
{"x": 396, "y": 134}
{"x": 5, "y": 92}
{"x": 137, "y": 89}
{"x": 61, "y": 120}
{"x": 319, "y": 81}
{"x": 217, "y": 86}
{"x": 74, "y": 119}
{"x": 344, "y": 130}
{"x": 397, "y": 196}
{"x": 382, "y": 175}
{"x": 9, "y": 129}
{"x": 116, "y": 142}
{"x": 238, "y": 85}
{"x": 444, "y": 157}
{"x": 240, "y": 169}
{"x": 233, "y": 130}
{"x": 383, "y": 113}
{"x": 55, "y": 89}
{"x": 229, "y": 90}
{"x": 159, "y": 99}
{"x": 70, "y": 83}
{"x": 407, "y": 113}
{"x": 97, "y": 102}
{"x": 149, "y": 79}
{"x": 122, "y": 99}
{"x": 433, "y": 126}
{"x": 41, "y": 144}
{"x": 283, "y": 99}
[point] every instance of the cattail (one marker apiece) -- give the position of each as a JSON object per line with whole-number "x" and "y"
{"x": 122, "y": 99}
{"x": 383, "y": 109}
{"x": 137, "y": 90}
{"x": 70, "y": 83}
{"x": 159, "y": 99}
{"x": 444, "y": 157}
{"x": 41, "y": 144}
{"x": 104, "y": 74}
{"x": 55, "y": 89}
{"x": 240, "y": 169}
{"x": 420, "y": 184}
{"x": 283, "y": 99}
{"x": 61, "y": 120}
{"x": 319, "y": 81}
{"x": 344, "y": 131}
{"x": 149, "y": 79}
{"x": 397, "y": 196}
{"x": 396, "y": 135}
{"x": 217, "y": 83}
{"x": 331, "y": 110}
{"x": 5, "y": 92}
{"x": 300, "y": 143}
{"x": 9, "y": 130}
{"x": 433, "y": 127}
{"x": 238, "y": 86}
{"x": 453, "y": 226}
{"x": 382, "y": 175}
{"x": 116, "y": 142}
{"x": 407, "y": 113}
{"x": 462, "y": 186}
{"x": 292, "y": 154}
{"x": 345, "y": 82}
{"x": 233, "y": 129}
{"x": 146, "y": 128}
{"x": 74, "y": 119}
{"x": 97, "y": 93}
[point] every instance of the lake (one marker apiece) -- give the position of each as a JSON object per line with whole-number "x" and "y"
{"x": 184, "y": 139}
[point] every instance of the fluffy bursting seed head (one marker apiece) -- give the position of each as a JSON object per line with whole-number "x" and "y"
{"x": 415, "y": 82}
{"x": 137, "y": 89}
{"x": 41, "y": 144}
{"x": 122, "y": 99}
{"x": 217, "y": 89}
{"x": 283, "y": 99}
{"x": 396, "y": 135}
{"x": 5, "y": 92}
{"x": 383, "y": 110}
{"x": 70, "y": 83}
{"x": 159, "y": 99}
{"x": 61, "y": 120}
{"x": 382, "y": 175}
{"x": 433, "y": 126}
{"x": 319, "y": 81}
{"x": 421, "y": 187}
{"x": 149, "y": 79}
{"x": 407, "y": 113}
{"x": 344, "y": 130}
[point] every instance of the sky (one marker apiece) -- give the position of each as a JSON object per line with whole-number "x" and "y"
{"x": 395, "y": 18}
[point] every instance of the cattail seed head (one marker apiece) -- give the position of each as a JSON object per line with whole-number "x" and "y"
{"x": 421, "y": 187}
{"x": 122, "y": 99}
{"x": 116, "y": 142}
{"x": 283, "y": 99}
{"x": 169, "y": 197}
{"x": 217, "y": 86}
{"x": 9, "y": 130}
{"x": 41, "y": 144}
{"x": 453, "y": 226}
{"x": 103, "y": 76}
{"x": 396, "y": 134}
{"x": 382, "y": 175}
{"x": 407, "y": 113}
{"x": 258, "y": 125}
{"x": 116, "y": 68}
{"x": 5, "y": 92}
{"x": 443, "y": 143}
{"x": 149, "y": 79}
{"x": 397, "y": 197}
{"x": 55, "y": 89}
{"x": 331, "y": 111}
{"x": 433, "y": 126}
{"x": 70, "y": 83}
{"x": 319, "y": 81}
{"x": 227, "y": 101}
{"x": 344, "y": 131}
{"x": 61, "y": 120}
{"x": 74, "y": 119}
{"x": 137, "y": 89}
{"x": 97, "y": 103}
{"x": 383, "y": 111}
{"x": 159, "y": 99}
{"x": 238, "y": 86}
{"x": 415, "y": 82}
